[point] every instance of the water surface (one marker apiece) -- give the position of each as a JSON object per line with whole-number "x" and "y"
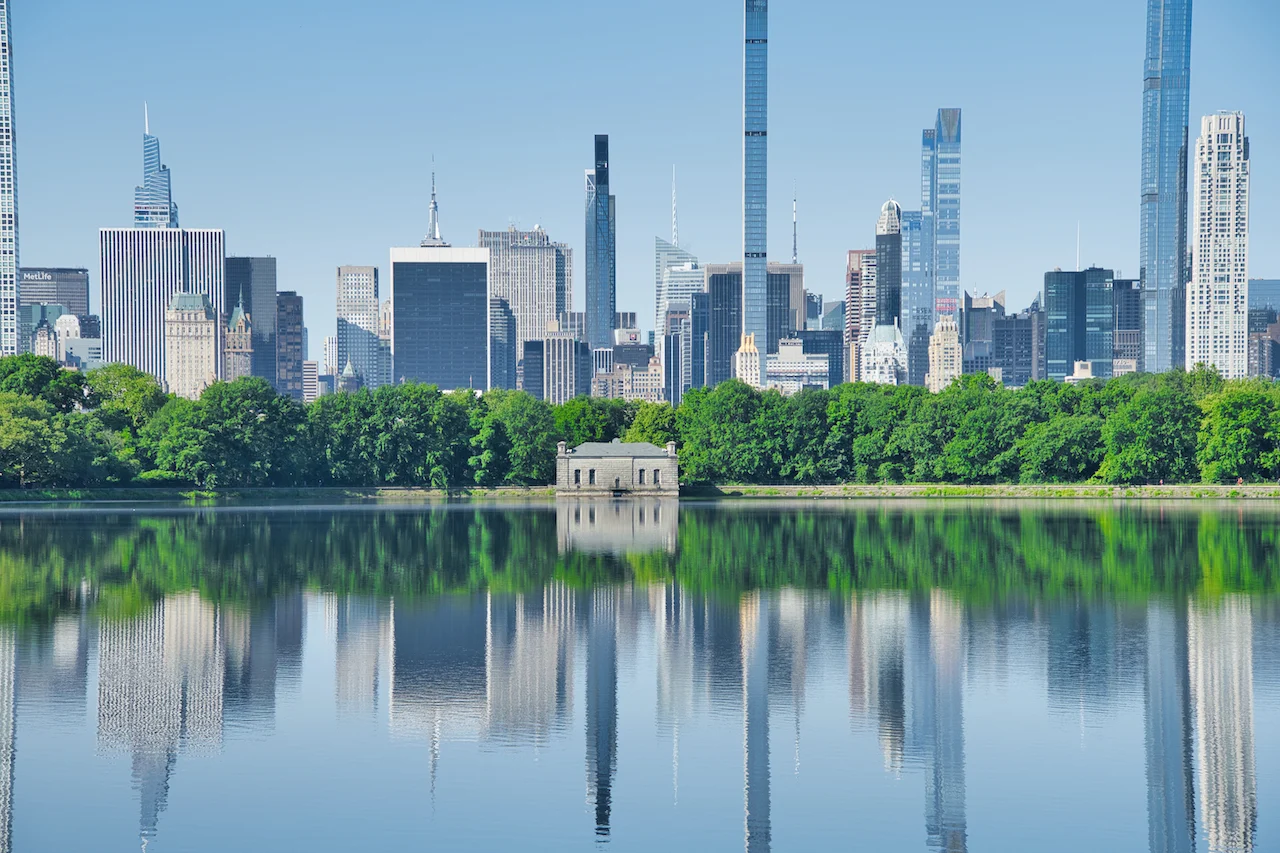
{"x": 641, "y": 676}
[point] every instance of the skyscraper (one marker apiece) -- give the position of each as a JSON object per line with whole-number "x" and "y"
{"x": 1080, "y": 319}
{"x": 602, "y": 256}
{"x": 253, "y": 282}
{"x": 141, "y": 270}
{"x": 534, "y": 275}
{"x": 917, "y": 293}
{"x": 55, "y": 286}
{"x": 755, "y": 159}
{"x": 859, "y": 307}
{"x": 502, "y": 345}
{"x": 153, "y": 205}
{"x": 676, "y": 277}
{"x": 10, "y": 344}
{"x": 358, "y": 323}
{"x": 290, "y": 350}
{"x": 192, "y": 355}
{"x": 724, "y": 320}
{"x": 1218, "y": 295}
{"x": 1166, "y": 108}
{"x": 889, "y": 265}
{"x": 440, "y": 316}
{"x": 944, "y": 205}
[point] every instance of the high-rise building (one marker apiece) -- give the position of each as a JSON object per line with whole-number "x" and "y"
{"x": 746, "y": 362}
{"x": 917, "y": 294}
{"x": 677, "y": 352}
{"x": 1264, "y": 293}
{"x": 602, "y": 255}
{"x": 785, "y": 304}
{"x": 792, "y": 369}
{"x": 153, "y": 205}
{"x": 828, "y": 342}
{"x": 1127, "y": 301}
{"x": 532, "y": 368}
{"x": 945, "y": 355}
{"x": 567, "y": 367}
{"x": 940, "y": 208}
{"x": 238, "y": 348}
{"x": 253, "y": 282}
{"x": 1218, "y": 295}
{"x": 859, "y": 307}
{"x": 191, "y": 352}
{"x": 1079, "y": 316}
{"x": 812, "y": 310}
{"x": 290, "y": 351}
{"x": 978, "y": 318}
{"x": 440, "y": 316}
{"x": 625, "y": 320}
{"x": 502, "y": 345}
{"x": 533, "y": 274}
{"x": 10, "y": 341}
{"x": 629, "y": 347}
{"x": 629, "y": 382}
{"x": 677, "y": 277}
{"x": 700, "y": 325}
{"x": 724, "y": 320}
{"x": 141, "y": 271}
{"x": 1166, "y": 113}
{"x": 1017, "y": 347}
{"x": 755, "y": 170}
{"x": 68, "y": 287}
{"x": 358, "y": 318}
{"x": 330, "y": 366}
{"x": 884, "y": 355}
{"x": 310, "y": 382}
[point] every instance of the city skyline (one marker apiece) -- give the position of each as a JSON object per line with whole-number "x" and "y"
{"x": 831, "y": 190}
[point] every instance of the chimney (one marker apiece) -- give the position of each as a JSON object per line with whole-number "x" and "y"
{"x": 562, "y": 449}
{"x": 671, "y": 450}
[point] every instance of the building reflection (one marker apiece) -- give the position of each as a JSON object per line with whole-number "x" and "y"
{"x": 602, "y": 702}
{"x": 1169, "y": 726}
{"x": 529, "y": 665}
{"x": 362, "y": 642}
{"x": 624, "y": 526}
{"x": 756, "y": 618}
{"x": 8, "y": 732}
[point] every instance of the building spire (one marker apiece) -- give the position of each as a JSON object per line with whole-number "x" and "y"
{"x": 675, "y": 221}
{"x": 433, "y": 215}
{"x": 795, "y": 234}
{"x": 146, "y": 119}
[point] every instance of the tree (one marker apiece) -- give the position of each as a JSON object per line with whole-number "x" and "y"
{"x": 654, "y": 423}
{"x": 30, "y": 441}
{"x": 1237, "y": 435}
{"x": 1152, "y": 437}
{"x": 530, "y": 425}
{"x": 44, "y": 378}
{"x": 126, "y": 397}
{"x": 1067, "y": 449}
{"x": 490, "y": 447}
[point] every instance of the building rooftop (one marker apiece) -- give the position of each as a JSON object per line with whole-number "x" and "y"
{"x": 191, "y": 302}
{"x": 615, "y": 448}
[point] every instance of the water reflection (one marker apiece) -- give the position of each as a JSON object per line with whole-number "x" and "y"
{"x": 514, "y": 667}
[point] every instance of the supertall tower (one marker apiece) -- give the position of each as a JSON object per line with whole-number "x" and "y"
{"x": 755, "y": 161}
{"x": 1166, "y": 106}
{"x": 602, "y": 256}
{"x": 9, "y": 340}
{"x": 153, "y": 205}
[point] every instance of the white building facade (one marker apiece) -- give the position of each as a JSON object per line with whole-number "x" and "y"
{"x": 1218, "y": 294}
{"x": 946, "y": 355}
{"x": 791, "y": 369}
{"x": 142, "y": 269}
{"x": 191, "y": 351}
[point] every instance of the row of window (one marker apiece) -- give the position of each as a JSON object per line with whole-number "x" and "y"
{"x": 591, "y": 477}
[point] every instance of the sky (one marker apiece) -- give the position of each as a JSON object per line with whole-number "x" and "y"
{"x": 310, "y": 137}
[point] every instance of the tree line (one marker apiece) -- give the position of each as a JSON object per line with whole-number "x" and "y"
{"x": 115, "y": 426}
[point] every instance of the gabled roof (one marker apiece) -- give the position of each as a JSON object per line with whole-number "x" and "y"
{"x": 642, "y": 449}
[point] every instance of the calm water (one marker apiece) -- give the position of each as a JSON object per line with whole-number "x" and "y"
{"x": 642, "y": 676}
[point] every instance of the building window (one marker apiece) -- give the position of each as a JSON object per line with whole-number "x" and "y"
{"x": 617, "y": 482}
{"x": 591, "y": 477}
{"x": 577, "y": 477}
{"x": 657, "y": 477}
{"x": 642, "y": 476}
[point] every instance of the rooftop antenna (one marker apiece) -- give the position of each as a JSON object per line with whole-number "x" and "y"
{"x": 146, "y": 119}
{"x": 1077, "y": 245}
{"x": 795, "y": 253}
{"x": 675, "y": 221}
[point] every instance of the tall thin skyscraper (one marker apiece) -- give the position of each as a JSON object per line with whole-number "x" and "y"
{"x": 10, "y": 344}
{"x": 941, "y": 204}
{"x": 153, "y": 205}
{"x": 1218, "y": 294}
{"x": 358, "y": 323}
{"x": 1166, "y": 108}
{"x": 755, "y": 160}
{"x": 602, "y": 255}
{"x": 889, "y": 265}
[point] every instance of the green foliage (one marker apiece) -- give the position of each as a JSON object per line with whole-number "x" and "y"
{"x": 44, "y": 379}
{"x": 654, "y": 423}
{"x": 1238, "y": 434}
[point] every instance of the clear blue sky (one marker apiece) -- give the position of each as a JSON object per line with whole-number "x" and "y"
{"x": 306, "y": 130}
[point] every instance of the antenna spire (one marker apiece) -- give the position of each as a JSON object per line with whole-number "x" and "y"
{"x": 795, "y": 233}
{"x": 433, "y": 237}
{"x": 1077, "y": 245}
{"x": 675, "y": 221}
{"x": 146, "y": 119}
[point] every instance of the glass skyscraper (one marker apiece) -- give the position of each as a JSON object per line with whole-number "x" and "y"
{"x": 9, "y": 339}
{"x": 941, "y": 159}
{"x": 1166, "y": 106}
{"x": 602, "y": 257}
{"x": 755, "y": 148}
{"x": 153, "y": 205}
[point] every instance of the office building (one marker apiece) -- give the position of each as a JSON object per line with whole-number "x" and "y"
{"x": 311, "y": 382}
{"x": 1079, "y": 317}
{"x": 978, "y": 318}
{"x": 917, "y": 293}
{"x": 700, "y": 325}
{"x": 602, "y": 256}
{"x": 1264, "y": 293}
{"x": 786, "y": 304}
{"x": 828, "y": 342}
{"x": 533, "y": 274}
{"x": 859, "y": 307}
{"x": 724, "y": 320}
{"x": 66, "y": 327}
{"x": 628, "y": 382}
{"x": 1127, "y": 351}
{"x": 153, "y": 205}
{"x": 677, "y": 277}
{"x": 573, "y": 323}
{"x": 945, "y": 355}
{"x": 940, "y": 208}
{"x": 884, "y": 356}
{"x": 746, "y": 362}
{"x": 629, "y": 347}
{"x": 755, "y": 170}
{"x": 191, "y": 353}
{"x": 602, "y": 360}
{"x": 502, "y": 345}
{"x": 1264, "y": 350}
{"x": 253, "y": 282}
{"x": 141, "y": 271}
{"x": 10, "y": 341}
{"x": 533, "y": 368}
{"x": 238, "y": 346}
{"x": 567, "y": 367}
{"x": 791, "y": 369}
{"x": 1166, "y": 113}
{"x": 1218, "y": 295}
{"x": 677, "y": 351}
{"x": 358, "y": 319}
{"x": 1017, "y": 347}
{"x": 440, "y": 316}
{"x": 68, "y": 287}
{"x": 812, "y": 310}
{"x": 290, "y": 350}
{"x": 81, "y": 353}
{"x": 625, "y": 320}
{"x": 433, "y": 240}
{"x": 331, "y": 366}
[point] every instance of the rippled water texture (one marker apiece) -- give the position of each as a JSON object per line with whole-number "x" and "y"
{"x": 641, "y": 676}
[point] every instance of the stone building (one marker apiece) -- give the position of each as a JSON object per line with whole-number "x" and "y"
{"x": 191, "y": 357}
{"x": 239, "y": 345}
{"x": 615, "y": 468}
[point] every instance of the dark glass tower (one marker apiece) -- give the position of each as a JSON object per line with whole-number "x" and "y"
{"x": 254, "y": 281}
{"x": 440, "y": 318}
{"x": 1080, "y": 316}
{"x": 289, "y": 349}
{"x": 602, "y": 258}
{"x": 755, "y": 161}
{"x": 1166, "y": 106}
{"x": 724, "y": 323}
{"x": 889, "y": 265}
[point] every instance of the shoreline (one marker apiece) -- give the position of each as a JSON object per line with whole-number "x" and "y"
{"x": 144, "y": 495}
